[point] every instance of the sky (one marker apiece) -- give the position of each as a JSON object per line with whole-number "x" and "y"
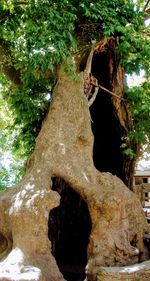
{"x": 143, "y": 165}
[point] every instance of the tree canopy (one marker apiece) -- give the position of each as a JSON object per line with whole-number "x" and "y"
{"x": 37, "y": 36}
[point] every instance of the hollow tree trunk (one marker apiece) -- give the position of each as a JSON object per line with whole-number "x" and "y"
{"x": 111, "y": 115}
{"x": 64, "y": 150}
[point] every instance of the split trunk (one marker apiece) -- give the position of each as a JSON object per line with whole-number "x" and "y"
{"x": 71, "y": 210}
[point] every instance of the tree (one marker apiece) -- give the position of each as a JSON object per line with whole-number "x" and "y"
{"x": 74, "y": 55}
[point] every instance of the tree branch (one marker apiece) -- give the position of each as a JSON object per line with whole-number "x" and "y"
{"x": 6, "y": 63}
{"x": 147, "y": 14}
{"x": 17, "y": 3}
{"x": 146, "y": 5}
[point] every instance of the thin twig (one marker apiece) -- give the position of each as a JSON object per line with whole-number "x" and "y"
{"x": 108, "y": 91}
{"x": 144, "y": 9}
{"x": 92, "y": 99}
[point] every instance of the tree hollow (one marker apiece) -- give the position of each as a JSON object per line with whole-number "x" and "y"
{"x": 69, "y": 231}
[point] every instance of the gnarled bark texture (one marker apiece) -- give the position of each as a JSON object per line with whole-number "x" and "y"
{"x": 64, "y": 150}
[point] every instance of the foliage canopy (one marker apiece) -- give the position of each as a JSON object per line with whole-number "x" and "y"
{"x": 36, "y": 36}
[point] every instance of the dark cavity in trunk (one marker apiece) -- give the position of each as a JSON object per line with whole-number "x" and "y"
{"x": 107, "y": 154}
{"x": 69, "y": 231}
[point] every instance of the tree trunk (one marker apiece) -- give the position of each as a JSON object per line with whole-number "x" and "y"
{"x": 62, "y": 187}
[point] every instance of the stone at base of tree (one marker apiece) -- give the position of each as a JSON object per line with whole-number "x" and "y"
{"x": 136, "y": 272}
